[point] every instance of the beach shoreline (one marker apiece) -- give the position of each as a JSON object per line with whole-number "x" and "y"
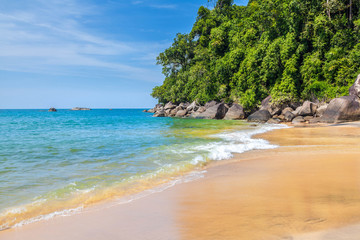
{"x": 241, "y": 197}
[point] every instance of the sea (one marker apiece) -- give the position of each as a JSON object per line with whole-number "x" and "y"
{"x": 60, "y": 163}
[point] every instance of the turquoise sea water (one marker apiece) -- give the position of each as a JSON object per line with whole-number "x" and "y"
{"x": 55, "y": 162}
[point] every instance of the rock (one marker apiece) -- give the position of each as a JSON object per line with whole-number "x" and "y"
{"x": 52, "y": 110}
{"x": 315, "y": 120}
{"x": 289, "y": 116}
{"x": 80, "y": 109}
{"x": 298, "y": 119}
{"x": 150, "y": 110}
{"x": 201, "y": 109}
{"x": 308, "y": 118}
{"x": 169, "y": 105}
{"x": 184, "y": 105}
{"x": 217, "y": 111}
{"x": 355, "y": 88}
{"x": 174, "y": 111}
{"x": 193, "y": 107}
{"x": 320, "y": 110}
{"x": 266, "y": 103}
{"x": 345, "y": 108}
{"x": 307, "y": 109}
{"x": 296, "y": 112}
{"x": 160, "y": 113}
{"x": 287, "y": 109}
{"x": 181, "y": 113}
{"x": 281, "y": 117}
{"x": 273, "y": 121}
{"x": 259, "y": 116}
{"x": 210, "y": 104}
{"x": 235, "y": 112}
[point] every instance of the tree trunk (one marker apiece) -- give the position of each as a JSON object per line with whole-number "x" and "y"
{"x": 350, "y": 13}
{"x": 328, "y": 9}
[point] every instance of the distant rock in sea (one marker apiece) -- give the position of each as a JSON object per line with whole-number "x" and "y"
{"x": 80, "y": 109}
{"x": 52, "y": 110}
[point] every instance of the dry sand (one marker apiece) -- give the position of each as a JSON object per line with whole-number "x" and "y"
{"x": 307, "y": 189}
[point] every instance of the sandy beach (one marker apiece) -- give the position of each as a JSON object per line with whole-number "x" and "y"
{"x": 308, "y": 188}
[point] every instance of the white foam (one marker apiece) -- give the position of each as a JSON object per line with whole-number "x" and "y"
{"x": 238, "y": 142}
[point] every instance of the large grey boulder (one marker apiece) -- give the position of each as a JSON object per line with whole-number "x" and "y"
{"x": 307, "y": 109}
{"x": 260, "y": 116}
{"x": 217, "y": 111}
{"x": 355, "y": 88}
{"x": 169, "y": 105}
{"x": 235, "y": 112}
{"x": 341, "y": 109}
{"x": 266, "y": 105}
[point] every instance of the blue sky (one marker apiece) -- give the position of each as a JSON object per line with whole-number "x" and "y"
{"x": 90, "y": 53}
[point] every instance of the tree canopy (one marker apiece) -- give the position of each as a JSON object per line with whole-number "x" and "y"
{"x": 289, "y": 49}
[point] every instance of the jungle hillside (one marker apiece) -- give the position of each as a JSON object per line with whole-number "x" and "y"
{"x": 290, "y": 49}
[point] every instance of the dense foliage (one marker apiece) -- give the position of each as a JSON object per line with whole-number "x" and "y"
{"x": 289, "y": 49}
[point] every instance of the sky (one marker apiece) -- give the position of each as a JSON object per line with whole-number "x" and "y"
{"x": 87, "y": 53}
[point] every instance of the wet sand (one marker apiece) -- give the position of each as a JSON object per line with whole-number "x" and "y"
{"x": 309, "y": 188}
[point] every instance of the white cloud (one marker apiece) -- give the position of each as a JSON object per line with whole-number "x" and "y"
{"x": 45, "y": 36}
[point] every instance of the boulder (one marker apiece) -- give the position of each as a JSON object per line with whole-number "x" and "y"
{"x": 150, "y": 110}
{"x": 307, "y": 109}
{"x": 235, "y": 112}
{"x": 210, "y": 104}
{"x": 174, "y": 111}
{"x": 355, "y": 88}
{"x": 297, "y": 120}
{"x": 287, "y": 109}
{"x": 201, "y": 109}
{"x": 341, "y": 109}
{"x": 289, "y": 116}
{"x": 259, "y": 116}
{"x": 160, "y": 113}
{"x": 169, "y": 105}
{"x": 308, "y": 118}
{"x": 273, "y": 121}
{"x": 217, "y": 111}
{"x": 315, "y": 120}
{"x": 193, "y": 107}
{"x": 266, "y": 103}
{"x": 320, "y": 110}
{"x": 181, "y": 113}
{"x": 184, "y": 105}
{"x": 52, "y": 110}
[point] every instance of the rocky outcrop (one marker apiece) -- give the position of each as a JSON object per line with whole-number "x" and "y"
{"x": 52, "y": 110}
{"x": 341, "y": 109}
{"x": 235, "y": 112}
{"x": 355, "y": 88}
{"x": 217, "y": 111}
{"x": 80, "y": 109}
{"x": 260, "y": 116}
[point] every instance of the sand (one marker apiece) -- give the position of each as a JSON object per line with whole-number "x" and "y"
{"x": 309, "y": 188}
